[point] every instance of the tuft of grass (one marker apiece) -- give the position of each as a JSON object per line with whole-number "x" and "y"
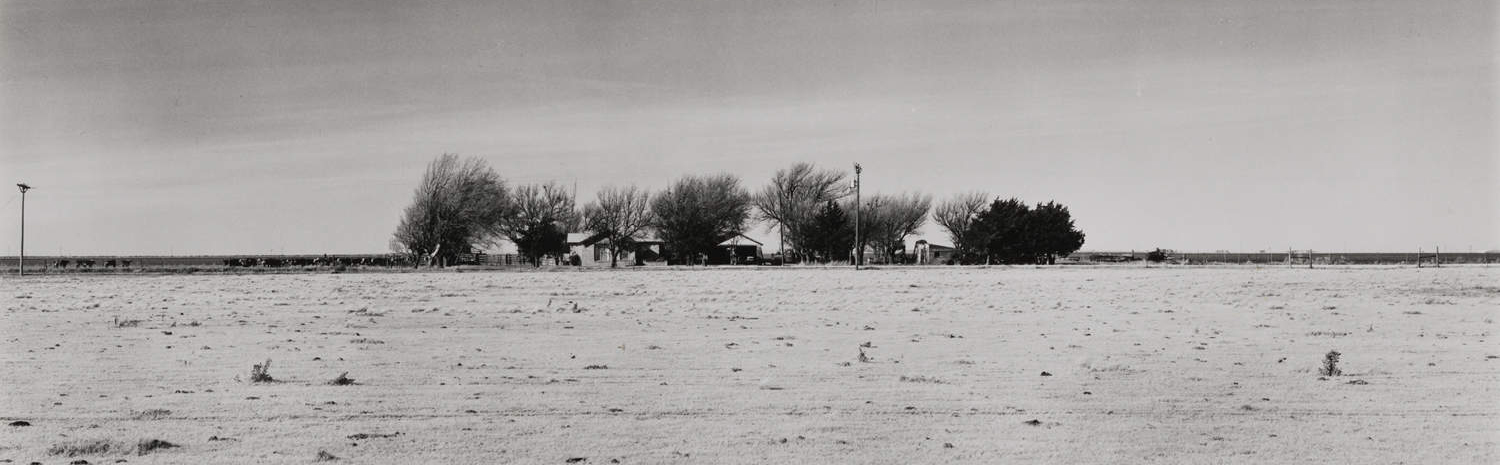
{"x": 1331, "y": 364}
{"x": 261, "y": 373}
{"x": 366, "y": 340}
{"x": 152, "y": 414}
{"x": 1100, "y": 367}
{"x": 596, "y": 367}
{"x": 921, "y": 379}
{"x": 83, "y": 447}
{"x": 126, "y": 323}
{"x": 343, "y": 379}
{"x": 1328, "y": 333}
{"x": 324, "y": 456}
{"x": 862, "y": 357}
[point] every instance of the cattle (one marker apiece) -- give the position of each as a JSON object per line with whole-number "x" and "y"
{"x": 81, "y": 263}
{"x": 111, "y": 263}
{"x": 125, "y": 263}
{"x": 60, "y": 264}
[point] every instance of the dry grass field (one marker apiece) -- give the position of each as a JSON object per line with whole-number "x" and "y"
{"x": 1061, "y": 365}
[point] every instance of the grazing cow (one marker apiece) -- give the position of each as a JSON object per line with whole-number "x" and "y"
{"x": 60, "y": 264}
{"x": 83, "y": 263}
{"x": 125, "y": 263}
{"x": 111, "y": 263}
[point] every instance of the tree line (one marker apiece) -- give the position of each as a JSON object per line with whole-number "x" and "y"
{"x": 462, "y": 203}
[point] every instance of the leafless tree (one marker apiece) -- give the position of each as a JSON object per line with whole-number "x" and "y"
{"x": 619, "y": 215}
{"x": 956, "y": 215}
{"x": 459, "y": 203}
{"x": 794, "y": 197}
{"x": 541, "y": 216}
{"x": 886, "y": 220}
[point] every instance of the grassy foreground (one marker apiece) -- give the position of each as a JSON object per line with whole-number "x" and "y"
{"x": 1067, "y": 365}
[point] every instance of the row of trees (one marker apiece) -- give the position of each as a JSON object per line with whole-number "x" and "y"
{"x": 463, "y": 203}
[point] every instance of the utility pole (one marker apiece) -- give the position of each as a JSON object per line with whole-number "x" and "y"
{"x": 21, "y": 264}
{"x": 859, "y": 250}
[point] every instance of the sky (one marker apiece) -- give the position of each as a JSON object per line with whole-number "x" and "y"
{"x": 219, "y": 127}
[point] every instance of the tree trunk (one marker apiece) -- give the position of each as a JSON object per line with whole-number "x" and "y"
{"x": 614, "y": 252}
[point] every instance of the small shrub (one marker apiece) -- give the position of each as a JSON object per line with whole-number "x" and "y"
{"x": 342, "y": 380}
{"x": 1331, "y": 364}
{"x": 1156, "y": 256}
{"x": 366, "y": 340}
{"x": 147, "y": 445}
{"x": 324, "y": 456}
{"x": 596, "y": 367}
{"x": 126, "y": 323}
{"x": 261, "y": 373}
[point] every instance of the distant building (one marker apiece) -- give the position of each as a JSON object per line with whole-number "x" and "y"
{"x": 594, "y": 250}
{"x": 927, "y": 253}
{"x": 739, "y": 249}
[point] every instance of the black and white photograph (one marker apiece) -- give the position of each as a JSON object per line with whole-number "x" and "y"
{"x": 749, "y": 232}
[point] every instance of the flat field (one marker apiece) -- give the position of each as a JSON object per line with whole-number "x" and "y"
{"x": 1057, "y": 364}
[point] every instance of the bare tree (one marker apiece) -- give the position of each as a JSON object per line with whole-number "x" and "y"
{"x": 460, "y": 203}
{"x": 541, "y": 215}
{"x": 794, "y": 197}
{"x": 698, "y": 212}
{"x": 956, "y": 216}
{"x": 618, "y": 215}
{"x": 886, "y": 220}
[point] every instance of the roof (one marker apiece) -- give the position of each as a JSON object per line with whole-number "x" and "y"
{"x": 938, "y": 248}
{"x": 579, "y": 237}
{"x": 587, "y": 239}
{"x": 739, "y": 239}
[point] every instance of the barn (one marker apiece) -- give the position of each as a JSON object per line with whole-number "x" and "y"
{"x": 738, "y": 249}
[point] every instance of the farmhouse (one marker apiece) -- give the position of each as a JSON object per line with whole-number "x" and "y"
{"x": 594, "y": 250}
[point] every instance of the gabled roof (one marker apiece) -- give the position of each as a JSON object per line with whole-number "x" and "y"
{"x": 580, "y": 237}
{"x": 587, "y": 239}
{"x": 739, "y": 239}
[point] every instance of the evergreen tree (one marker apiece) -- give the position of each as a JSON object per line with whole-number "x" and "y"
{"x": 831, "y": 234}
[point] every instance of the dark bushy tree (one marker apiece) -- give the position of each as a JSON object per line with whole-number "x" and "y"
{"x": 830, "y": 234}
{"x": 1000, "y": 231}
{"x": 1012, "y": 232}
{"x": 1051, "y": 232}
{"x": 460, "y": 203}
{"x": 698, "y": 212}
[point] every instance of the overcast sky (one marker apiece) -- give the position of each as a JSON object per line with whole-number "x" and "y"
{"x": 301, "y": 127}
